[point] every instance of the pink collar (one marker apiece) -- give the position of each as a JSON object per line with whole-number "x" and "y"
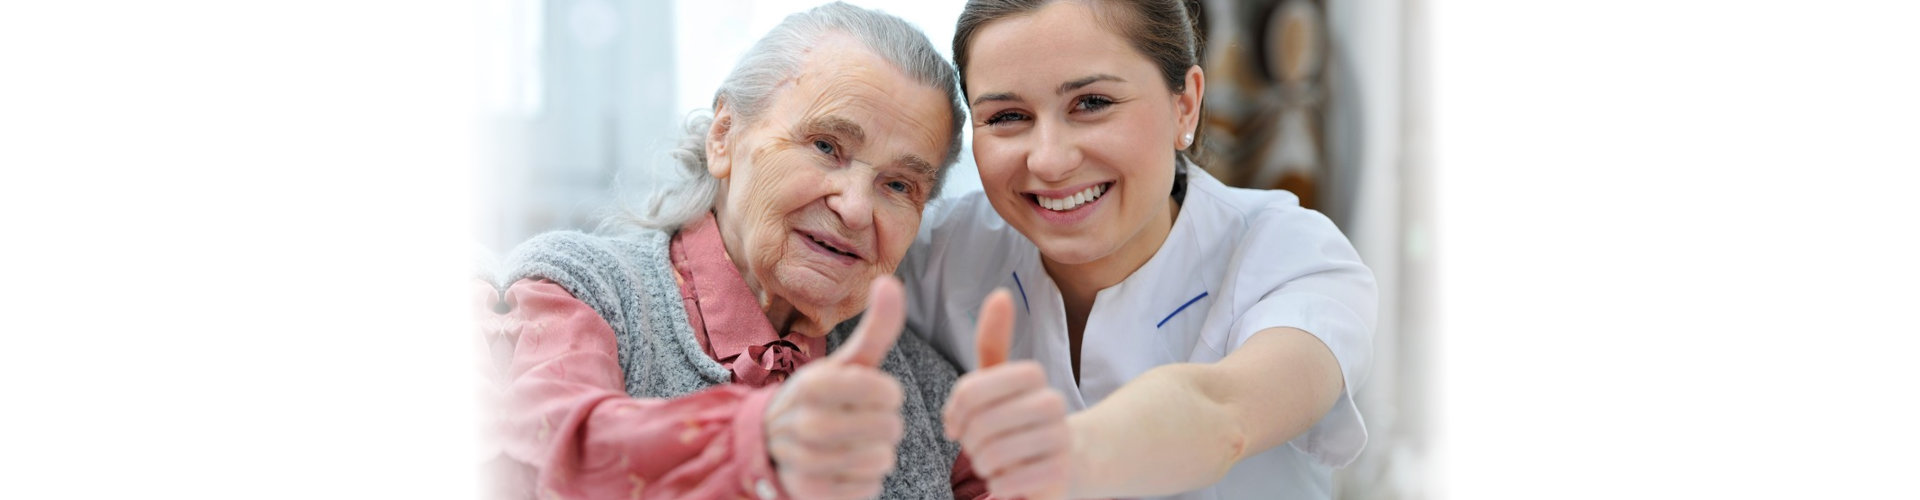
{"x": 726, "y": 315}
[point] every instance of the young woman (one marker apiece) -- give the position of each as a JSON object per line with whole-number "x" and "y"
{"x": 1205, "y": 340}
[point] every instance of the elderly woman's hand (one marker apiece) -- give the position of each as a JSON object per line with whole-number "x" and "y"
{"x": 832, "y": 429}
{"x": 1012, "y": 425}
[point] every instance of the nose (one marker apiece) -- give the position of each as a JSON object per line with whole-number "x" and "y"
{"x": 852, "y": 196}
{"x": 1055, "y": 153}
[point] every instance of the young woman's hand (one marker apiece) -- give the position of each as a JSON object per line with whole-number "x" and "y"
{"x": 1012, "y": 425}
{"x": 832, "y": 429}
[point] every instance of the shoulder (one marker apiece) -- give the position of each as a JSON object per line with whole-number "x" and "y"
{"x": 962, "y": 233}
{"x": 1287, "y": 266}
{"x": 967, "y": 215}
{"x": 963, "y": 250}
{"x": 573, "y": 256}
{"x": 1265, "y": 225}
{"x": 601, "y": 270}
{"x": 1242, "y": 210}
{"x": 557, "y": 247}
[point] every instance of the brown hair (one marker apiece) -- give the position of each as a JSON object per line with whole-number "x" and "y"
{"x": 1164, "y": 31}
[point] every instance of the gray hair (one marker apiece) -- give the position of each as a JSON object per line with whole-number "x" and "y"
{"x": 749, "y": 89}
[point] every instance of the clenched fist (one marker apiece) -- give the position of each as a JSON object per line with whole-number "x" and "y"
{"x": 1010, "y": 422}
{"x": 833, "y": 427}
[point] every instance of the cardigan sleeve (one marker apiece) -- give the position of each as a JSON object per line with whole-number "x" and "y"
{"x": 563, "y": 412}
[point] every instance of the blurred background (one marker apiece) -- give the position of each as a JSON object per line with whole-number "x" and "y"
{"x": 584, "y": 98}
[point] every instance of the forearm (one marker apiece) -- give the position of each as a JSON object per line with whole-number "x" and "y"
{"x": 563, "y": 411}
{"x": 1181, "y": 427}
{"x": 1156, "y": 435}
{"x": 611, "y": 445}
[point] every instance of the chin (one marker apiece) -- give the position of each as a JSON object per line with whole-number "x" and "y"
{"x": 821, "y": 299}
{"x": 1074, "y": 250}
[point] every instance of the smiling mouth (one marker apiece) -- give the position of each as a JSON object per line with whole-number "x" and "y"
{"x": 1074, "y": 201}
{"x": 829, "y": 247}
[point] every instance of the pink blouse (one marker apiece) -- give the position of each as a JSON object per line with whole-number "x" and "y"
{"x": 725, "y": 313}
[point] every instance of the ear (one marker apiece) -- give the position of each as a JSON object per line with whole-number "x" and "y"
{"x": 1188, "y": 101}
{"x": 718, "y": 163}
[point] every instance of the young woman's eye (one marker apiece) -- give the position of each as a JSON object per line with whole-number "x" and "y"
{"x": 1004, "y": 117}
{"x": 1093, "y": 103}
{"x": 825, "y": 147}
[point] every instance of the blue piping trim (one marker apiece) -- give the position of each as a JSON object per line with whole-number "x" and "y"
{"x": 1023, "y": 292}
{"x": 1183, "y": 307}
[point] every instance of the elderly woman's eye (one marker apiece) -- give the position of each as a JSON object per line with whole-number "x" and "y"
{"x": 824, "y": 147}
{"x": 900, "y": 187}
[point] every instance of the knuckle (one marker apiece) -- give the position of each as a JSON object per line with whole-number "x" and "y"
{"x": 795, "y": 457}
{"x": 874, "y": 463}
{"x": 811, "y": 423}
{"x": 1053, "y": 405}
{"x": 1057, "y": 468}
{"x": 782, "y": 451}
{"x": 891, "y": 426}
{"x": 866, "y": 386}
{"x": 891, "y": 392}
{"x": 1003, "y": 487}
{"x": 867, "y": 489}
{"x": 826, "y": 378}
{"x": 1029, "y": 374}
{"x": 957, "y": 403}
{"x": 887, "y": 461}
{"x": 988, "y": 461}
{"x": 1049, "y": 406}
{"x": 803, "y": 387}
{"x": 804, "y": 486}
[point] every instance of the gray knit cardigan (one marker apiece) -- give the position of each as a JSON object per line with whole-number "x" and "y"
{"x": 629, "y": 280}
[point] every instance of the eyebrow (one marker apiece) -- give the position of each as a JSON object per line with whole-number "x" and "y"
{"x": 1064, "y": 88}
{"x": 919, "y": 166}
{"x": 840, "y": 126}
{"x": 1076, "y": 84}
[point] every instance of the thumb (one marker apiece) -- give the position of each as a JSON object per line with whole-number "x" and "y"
{"x": 886, "y": 315}
{"x": 995, "y": 330}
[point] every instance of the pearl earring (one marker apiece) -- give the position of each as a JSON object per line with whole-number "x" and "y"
{"x": 1186, "y": 140}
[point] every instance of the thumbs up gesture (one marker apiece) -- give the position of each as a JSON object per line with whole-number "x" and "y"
{"x": 1012, "y": 425}
{"x": 832, "y": 428}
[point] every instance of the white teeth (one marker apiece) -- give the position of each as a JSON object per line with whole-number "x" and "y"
{"x": 1073, "y": 201}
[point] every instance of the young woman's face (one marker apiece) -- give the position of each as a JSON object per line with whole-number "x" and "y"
{"x": 1075, "y": 134}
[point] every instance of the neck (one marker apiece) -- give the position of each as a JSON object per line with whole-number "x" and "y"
{"x": 780, "y": 314}
{"x": 1080, "y": 283}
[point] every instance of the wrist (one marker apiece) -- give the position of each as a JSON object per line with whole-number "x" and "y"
{"x": 753, "y": 443}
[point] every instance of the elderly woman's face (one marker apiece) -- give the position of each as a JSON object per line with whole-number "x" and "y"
{"x": 823, "y": 192}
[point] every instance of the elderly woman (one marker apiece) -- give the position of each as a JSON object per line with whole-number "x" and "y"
{"x": 672, "y": 360}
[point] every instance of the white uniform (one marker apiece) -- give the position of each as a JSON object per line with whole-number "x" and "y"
{"x": 1237, "y": 262}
